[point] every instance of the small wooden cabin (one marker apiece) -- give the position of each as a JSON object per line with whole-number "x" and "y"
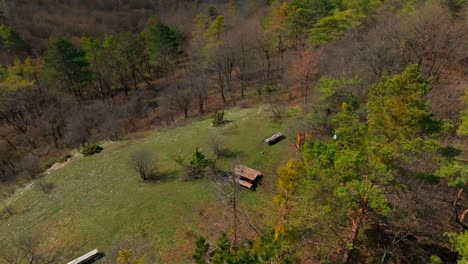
{"x": 247, "y": 177}
{"x": 274, "y": 139}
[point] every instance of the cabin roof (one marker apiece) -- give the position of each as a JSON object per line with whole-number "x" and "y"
{"x": 246, "y": 172}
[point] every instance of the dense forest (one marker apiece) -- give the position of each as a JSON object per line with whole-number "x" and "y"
{"x": 381, "y": 86}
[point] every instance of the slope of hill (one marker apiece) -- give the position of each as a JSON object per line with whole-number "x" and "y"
{"x": 100, "y": 201}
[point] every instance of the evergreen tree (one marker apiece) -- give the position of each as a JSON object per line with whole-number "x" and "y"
{"x": 200, "y": 254}
{"x": 460, "y": 245}
{"x": 98, "y": 58}
{"x": 66, "y": 66}
{"x": 163, "y": 44}
{"x": 266, "y": 248}
{"x": 397, "y": 115}
{"x": 12, "y": 41}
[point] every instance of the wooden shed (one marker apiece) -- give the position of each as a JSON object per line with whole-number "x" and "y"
{"x": 247, "y": 177}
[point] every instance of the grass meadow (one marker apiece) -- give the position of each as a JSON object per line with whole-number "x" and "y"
{"x": 99, "y": 201}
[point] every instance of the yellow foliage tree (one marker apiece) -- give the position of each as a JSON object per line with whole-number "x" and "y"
{"x": 463, "y": 128}
{"x": 19, "y": 75}
{"x": 126, "y": 256}
{"x": 288, "y": 183}
{"x": 214, "y": 32}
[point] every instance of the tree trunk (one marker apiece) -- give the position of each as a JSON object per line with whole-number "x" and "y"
{"x": 235, "y": 214}
{"x": 242, "y": 74}
{"x": 354, "y": 232}
{"x": 135, "y": 85}
{"x": 200, "y": 106}
{"x": 459, "y": 218}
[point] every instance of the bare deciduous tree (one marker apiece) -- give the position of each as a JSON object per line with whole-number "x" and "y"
{"x": 243, "y": 48}
{"x": 266, "y": 50}
{"x": 305, "y": 72}
{"x": 145, "y": 165}
{"x": 435, "y": 45}
{"x": 222, "y": 61}
{"x": 29, "y": 249}
{"x": 217, "y": 146}
{"x": 179, "y": 98}
{"x": 30, "y": 165}
{"x": 196, "y": 82}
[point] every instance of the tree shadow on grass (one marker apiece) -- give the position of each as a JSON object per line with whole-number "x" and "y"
{"x": 164, "y": 176}
{"x": 222, "y": 123}
{"x": 95, "y": 259}
{"x": 229, "y": 153}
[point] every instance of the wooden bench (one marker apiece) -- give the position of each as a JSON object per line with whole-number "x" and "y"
{"x": 275, "y": 138}
{"x": 88, "y": 256}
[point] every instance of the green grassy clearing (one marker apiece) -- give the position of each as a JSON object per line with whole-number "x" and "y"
{"x": 100, "y": 200}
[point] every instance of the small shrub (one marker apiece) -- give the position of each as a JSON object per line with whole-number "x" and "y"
{"x": 145, "y": 165}
{"x": 217, "y": 146}
{"x": 47, "y": 164}
{"x": 278, "y": 112}
{"x": 177, "y": 158}
{"x": 90, "y": 149}
{"x": 218, "y": 118}
{"x": 64, "y": 158}
{"x": 197, "y": 166}
{"x": 46, "y": 187}
{"x": 195, "y": 169}
{"x": 7, "y": 211}
{"x": 199, "y": 159}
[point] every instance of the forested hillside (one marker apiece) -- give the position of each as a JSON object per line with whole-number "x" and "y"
{"x": 378, "y": 89}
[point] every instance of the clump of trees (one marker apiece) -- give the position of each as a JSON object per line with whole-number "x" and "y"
{"x": 264, "y": 249}
{"x": 349, "y": 178}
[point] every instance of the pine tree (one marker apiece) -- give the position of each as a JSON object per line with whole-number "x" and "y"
{"x": 163, "y": 44}
{"x": 460, "y": 245}
{"x": 66, "y": 66}
{"x": 200, "y": 254}
{"x": 397, "y": 114}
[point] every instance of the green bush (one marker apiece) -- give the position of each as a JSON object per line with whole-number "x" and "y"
{"x": 218, "y": 118}
{"x": 199, "y": 160}
{"x": 64, "y": 158}
{"x": 46, "y": 164}
{"x": 90, "y": 149}
{"x": 195, "y": 169}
